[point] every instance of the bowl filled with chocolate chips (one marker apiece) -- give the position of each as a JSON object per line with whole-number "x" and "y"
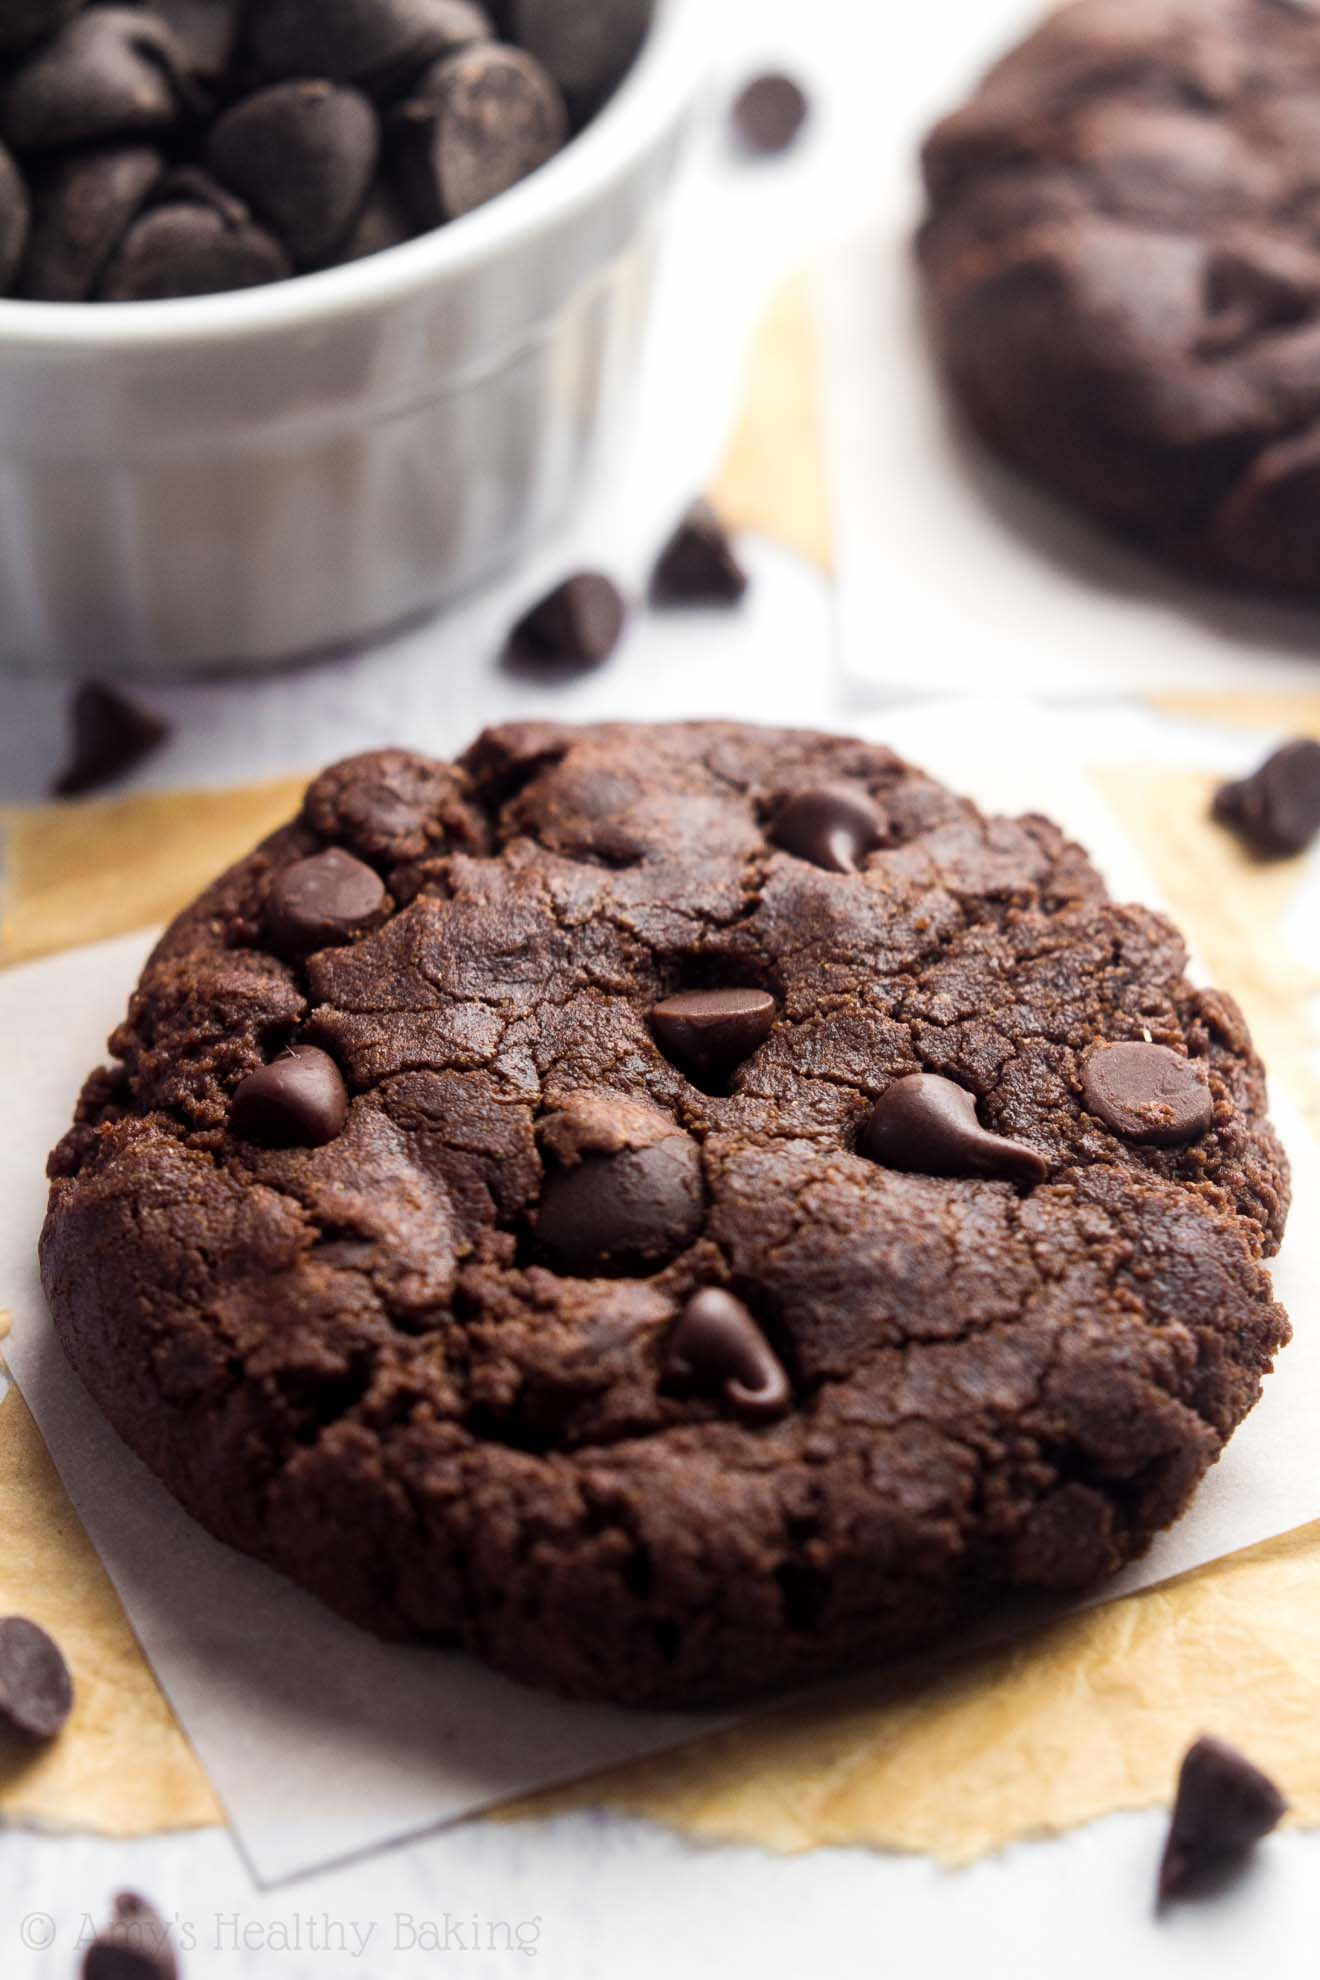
{"x": 312, "y": 312}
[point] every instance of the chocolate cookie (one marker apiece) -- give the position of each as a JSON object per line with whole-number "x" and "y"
{"x": 675, "y": 1211}
{"x": 1122, "y": 257}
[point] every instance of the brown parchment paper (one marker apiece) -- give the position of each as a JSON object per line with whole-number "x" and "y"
{"x": 1085, "y": 1719}
{"x": 122, "y": 1767}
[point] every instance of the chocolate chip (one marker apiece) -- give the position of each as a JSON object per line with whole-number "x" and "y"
{"x": 698, "y": 565}
{"x": 770, "y": 112}
{"x": 588, "y": 49}
{"x": 303, "y": 155}
{"x": 111, "y": 736}
{"x": 834, "y": 826}
{"x": 110, "y": 72}
{"x": 624, "y": 1191}
{"x": 298, "y": 1101}
{"x": 475, "y": 125}
{"x": 1224, "y": 1806}
{"x": 1276, "y": 812}
{"x": 381, "y": 224}
{"x": 25, "y": 21}
{"x": 135, "y": 1945}
{"x": 36, "y": 1691}
{"x": 718, "y": 1348}
{"x": 358, "y": 40}
{"x": 713, "y": 1030}
{"x": 928, "y": 1126}
{"x": 322, "y": 902}
{"x": 15, "y": 218}
{"x": 83, "y": 206}
{"x": 198, "y": 242}
{"x": 1148, "y": 1094}
{"x": 206, "y": 31}
{"x": 578, "y": 624}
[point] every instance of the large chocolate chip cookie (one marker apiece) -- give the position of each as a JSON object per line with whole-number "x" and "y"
{"x": 675, "y": 1211}
{"x": 1122, "y": 256}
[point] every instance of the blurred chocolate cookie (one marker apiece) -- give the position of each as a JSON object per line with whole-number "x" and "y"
{"x": 1122, "y": 262}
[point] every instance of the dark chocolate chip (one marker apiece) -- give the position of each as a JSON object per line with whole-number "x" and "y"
{"x": 475, "y": 125}
{"x": 199, "y": 241}
{"x": 1276, "y": 812}
{"x": 206, "y": 31}
{"x": 698, "y": 565}
{"x": 1148, "y": 1093}
{"x": 303, "y": 155}
{"x": 713, "y": 1030}
{"x": 1224, "y": 1806}
{"x": 770, "y": 112}
{"x": 15, "y": 219}
{"x": 298, "y": 1101}
{"x": 928, "y": 1126}
{"x": 579, "y": 623}
{"x": 624, "y": 1192}
{"x": 111, "y": 736}
{"x": 381, "y": 224}
{"x": 834, "y": 826}
{"x": 587, "y": 49}
{"x": 718, "y": 1348}
{"x": 135, "y": 1945}
{"x": 322, "y": 902}
{"x": 36, "y": 1691}
{"x": 359, "y": 40}
{"x": 111, "y": 72}
{"x": 25, "y": 21}
{"x": 83, "y": 206}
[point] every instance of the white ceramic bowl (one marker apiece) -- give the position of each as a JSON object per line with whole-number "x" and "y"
{"x": 237, "y": 479}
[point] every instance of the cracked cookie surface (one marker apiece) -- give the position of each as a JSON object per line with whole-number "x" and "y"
{"x": 1122, "y": 258}
{"x": 663, "y": 1358}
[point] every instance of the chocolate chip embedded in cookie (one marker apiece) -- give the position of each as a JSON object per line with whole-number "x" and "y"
{"x": 624, "y": 1190}
{"x": 725, "y": 1272}
{"x": 1148, "y": 1093}
{"x": 298, "y": 1101}
{"x": 929, "y": 1126}
{"x": 1121, "y": 265}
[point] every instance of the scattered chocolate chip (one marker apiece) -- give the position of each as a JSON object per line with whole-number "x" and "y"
{"x": 713, "y": 1030}
{"x": 36, "y": 1691}
{"x": 303, "y": 155}
{"x": 298, "y": 1101}
{"x": 135, "y": 1945}
{"x": 770, "y": 112}
{"x": 360, "y": 40}
{"x": 83, "y": 206}
{"x": 111, "y": 72}
{"x": 587, "y": 49}
{"x": 624, "y": 1191}
{"x": 475, "y": 125}
{"x": 928, "y": 1126}
{"x": 323, "y": 902}
{"x": 1224, "y": 1806}
{"x": 718, "y": 1347}
{"x": 1276, "y": 812}
{"x": 198, "y": 242}
{"x": 111, "y": 736}
{"x": 25, "y": 21}
{"x": 1148, "y": 1094}
{"x": 698, "y": 565}
{"x": 15, "y": 218}
{"x": 834, "y": 826}
{"x": 578, "y": 624}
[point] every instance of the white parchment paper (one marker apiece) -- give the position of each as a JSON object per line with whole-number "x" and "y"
{"x": 324, "y": 1744}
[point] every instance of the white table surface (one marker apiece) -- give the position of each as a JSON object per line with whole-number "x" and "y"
{"x": 598, "y": 1897}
